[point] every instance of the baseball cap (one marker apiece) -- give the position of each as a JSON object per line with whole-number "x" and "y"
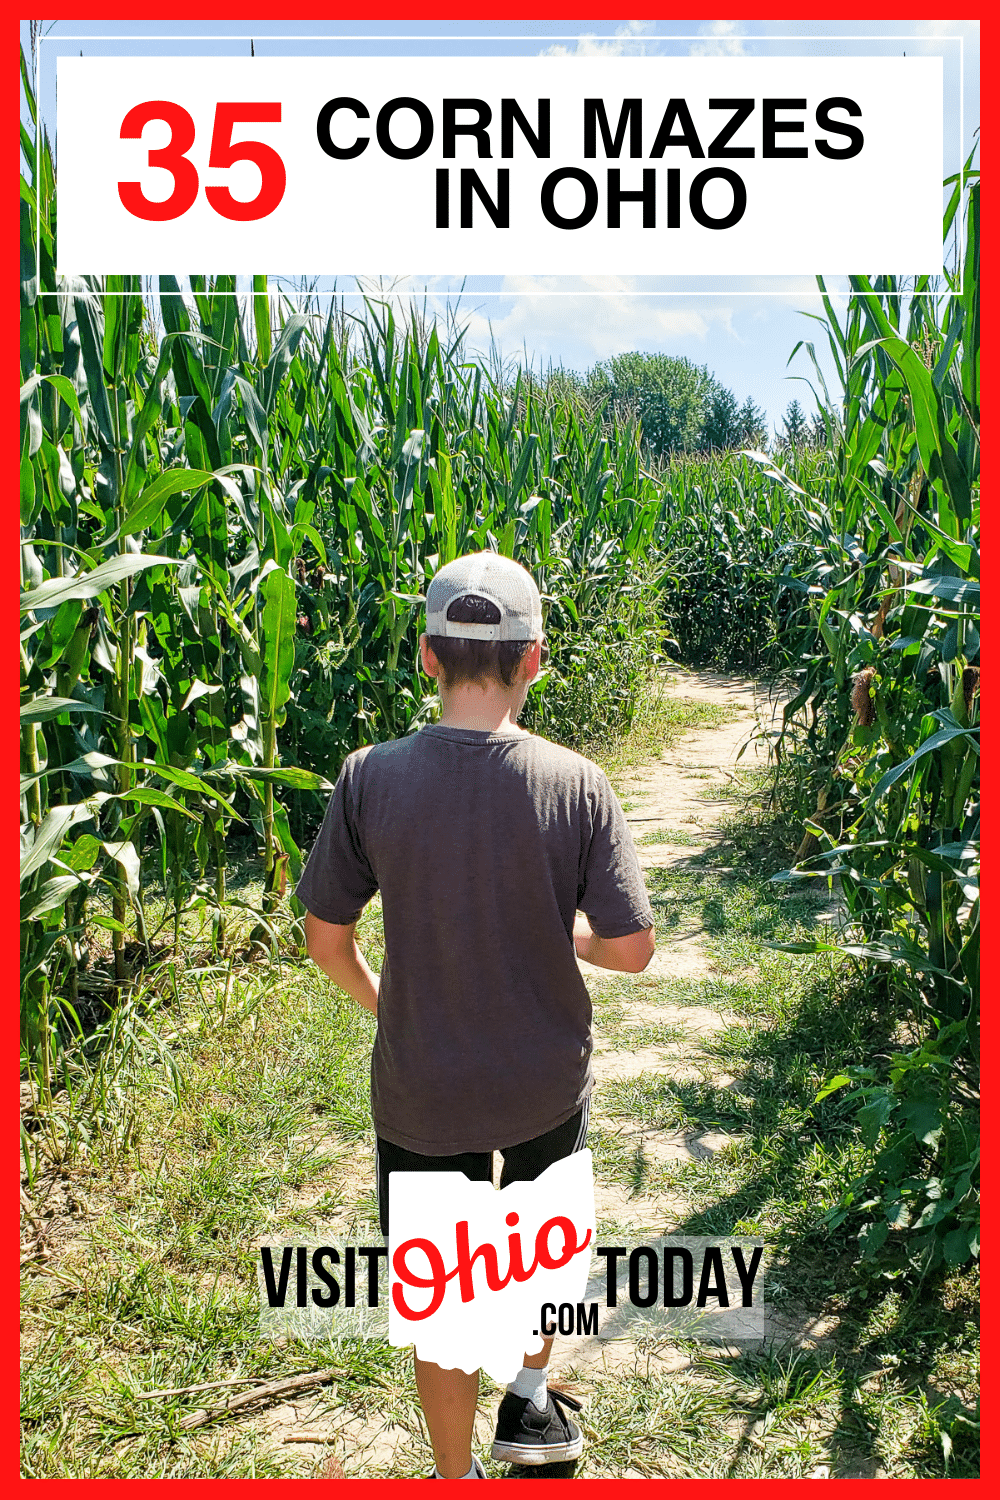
{"x": 487, "y": 575}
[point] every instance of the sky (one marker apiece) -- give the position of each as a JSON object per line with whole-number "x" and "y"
{"x": 744, "y": 329}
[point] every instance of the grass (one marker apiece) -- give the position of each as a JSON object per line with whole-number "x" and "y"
{"x": 684, "y": 840}
{"x": 891, "y": 1389}
{"x": 658, "y": 724}
{"x": 241, "y": 1110}
{"x": 159, "y": 1289}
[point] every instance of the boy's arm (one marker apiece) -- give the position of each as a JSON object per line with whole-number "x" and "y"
{"x": 628, "y": 955}
{"x": 335, "y": 951}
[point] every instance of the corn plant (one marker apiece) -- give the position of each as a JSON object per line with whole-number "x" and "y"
{"x": 156, "y": 639}
{"x": 891, "y": 672}
{"x": 231, "y": 508}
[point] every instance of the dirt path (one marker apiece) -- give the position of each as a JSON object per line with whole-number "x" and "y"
{"x": 674, "y": 819}
{"x": 663, "y": 798}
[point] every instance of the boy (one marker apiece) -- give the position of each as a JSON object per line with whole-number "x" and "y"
{"x": 484, "y": 841}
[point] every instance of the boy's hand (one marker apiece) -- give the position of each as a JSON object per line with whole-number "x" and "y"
{"x": 333, "y": 949}
{"x": 626, "y": 955}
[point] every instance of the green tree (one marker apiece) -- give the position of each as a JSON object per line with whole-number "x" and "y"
{"x": 817, "y": 431}
{"x": 722, "y": 428}
{"x": 795, "y": 426}
{"x": 670, "y": 396}
{"x": 752, "y": 424}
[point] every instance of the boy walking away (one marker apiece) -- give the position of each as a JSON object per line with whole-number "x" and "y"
{"x": 485, "y": 842}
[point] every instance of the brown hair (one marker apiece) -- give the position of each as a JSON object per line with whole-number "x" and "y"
{"x": 477, "y": 661}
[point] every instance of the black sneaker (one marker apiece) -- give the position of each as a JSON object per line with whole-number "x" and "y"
{"x": 526, "y": 1435}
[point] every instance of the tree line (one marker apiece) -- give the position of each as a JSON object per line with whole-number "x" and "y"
{"x": 681, "y": 407}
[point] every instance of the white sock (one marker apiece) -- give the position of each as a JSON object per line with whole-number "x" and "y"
{"x": 534, "y": 1384}
{"x": 472, "y": 1474}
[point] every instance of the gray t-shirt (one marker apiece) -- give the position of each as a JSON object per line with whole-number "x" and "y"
{"x": 483, "y": 845}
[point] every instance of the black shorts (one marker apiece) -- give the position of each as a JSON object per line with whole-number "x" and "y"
{"x": 521, "y": 1163}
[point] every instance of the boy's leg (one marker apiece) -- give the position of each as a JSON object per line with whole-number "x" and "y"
{"x": 448, "y": 1397}
{"x": 533, "y": 1426}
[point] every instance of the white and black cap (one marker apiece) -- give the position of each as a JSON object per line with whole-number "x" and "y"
{"x": 485, "y": 575}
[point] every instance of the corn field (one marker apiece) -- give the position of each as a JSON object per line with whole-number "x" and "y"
{"x": 231, "y": 506}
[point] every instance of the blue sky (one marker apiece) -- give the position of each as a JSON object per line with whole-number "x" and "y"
{"x": 744, "y": 329}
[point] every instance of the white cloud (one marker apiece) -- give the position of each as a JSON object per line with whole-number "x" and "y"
{"x": 536, "y": 324}
{"x": 533, "y": 317}
{"x": 723, "y": 40}
{"x": 629, "y": 40}
{"x": 942, "y": 28}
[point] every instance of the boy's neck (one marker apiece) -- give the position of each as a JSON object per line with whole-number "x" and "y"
{"x": 490, "y": 709}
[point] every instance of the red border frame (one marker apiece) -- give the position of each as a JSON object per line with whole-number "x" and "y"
{"x": 554, "y": 11}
